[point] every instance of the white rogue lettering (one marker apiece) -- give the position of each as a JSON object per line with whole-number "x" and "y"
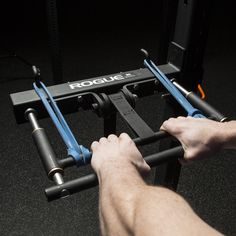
{"x": 88, "y": 83}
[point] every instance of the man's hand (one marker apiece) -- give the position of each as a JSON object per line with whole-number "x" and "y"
{"x": 199, "y": 137}
{"x": 114, "y": 154}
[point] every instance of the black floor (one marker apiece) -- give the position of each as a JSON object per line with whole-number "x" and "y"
{"x": 209, "y": 186}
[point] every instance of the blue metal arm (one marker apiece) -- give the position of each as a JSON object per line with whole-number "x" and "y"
{"x": 191, "y": 111}
{"x": 80, "y": 154}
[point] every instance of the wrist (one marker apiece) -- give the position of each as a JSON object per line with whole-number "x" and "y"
{"x": 228, "y": 133}
{"x": 117, "y": 173}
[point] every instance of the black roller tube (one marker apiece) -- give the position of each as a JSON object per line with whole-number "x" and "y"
{"x": 88, "y": 181}
{"x": 205, "y": 107}
{"x": 197, "y": 102}
{"x": 45, "y": 150}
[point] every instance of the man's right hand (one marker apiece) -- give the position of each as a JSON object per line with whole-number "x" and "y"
{"x": 199, "y": 137}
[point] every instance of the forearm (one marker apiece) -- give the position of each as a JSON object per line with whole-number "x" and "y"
{"x": 119, "y": 191}
{"x": 130, "y": 207}
{"x": 161, "y": 211}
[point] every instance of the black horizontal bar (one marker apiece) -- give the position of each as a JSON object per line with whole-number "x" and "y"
{"x": 69, "y": 161}
{"x": 66, "y": 94}
{"x": 157, "y": 136}
{"x": 89, "y": 181}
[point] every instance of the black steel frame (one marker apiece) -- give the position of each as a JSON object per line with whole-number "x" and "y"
{"x": 184, "y": 62}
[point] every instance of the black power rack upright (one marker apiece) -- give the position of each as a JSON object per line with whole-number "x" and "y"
{"x": 114, "y": 93}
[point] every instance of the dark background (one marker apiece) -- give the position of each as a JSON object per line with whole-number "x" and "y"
{"x": 100, "y": 38}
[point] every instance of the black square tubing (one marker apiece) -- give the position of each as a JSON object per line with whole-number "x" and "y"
{"x": 55, "y": 168}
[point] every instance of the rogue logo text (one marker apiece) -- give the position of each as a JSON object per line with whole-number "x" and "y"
{"x": 102, "y": 80}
